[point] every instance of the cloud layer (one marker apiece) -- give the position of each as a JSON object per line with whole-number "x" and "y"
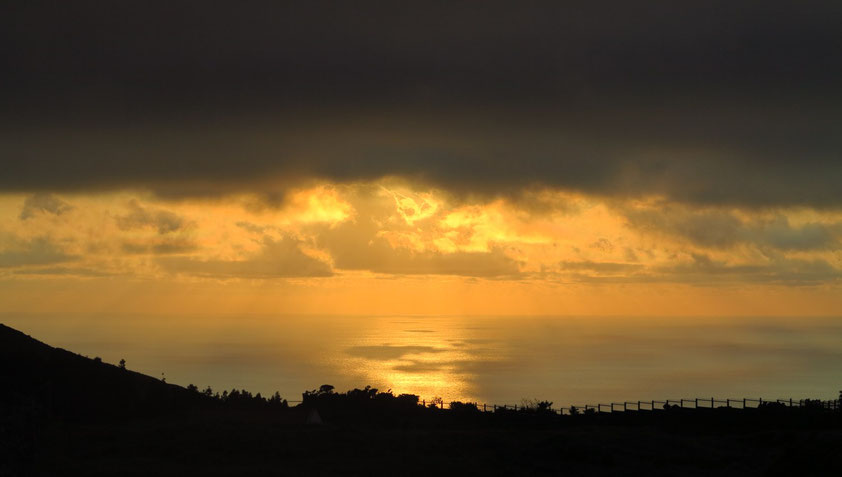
{"x": 715, "y": 103}
{"x": 387, "y": 230}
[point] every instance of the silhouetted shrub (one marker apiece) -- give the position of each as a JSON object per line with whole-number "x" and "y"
{"x": 408, "y": 399}
{"x": 812, "y": 404}
{"x": 771, "y": 406}
{"x": 536, "y": 406}
{"x": 458, "y": 406}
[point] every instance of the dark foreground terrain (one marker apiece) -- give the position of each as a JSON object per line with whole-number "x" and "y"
{"x": 64, "y": 414}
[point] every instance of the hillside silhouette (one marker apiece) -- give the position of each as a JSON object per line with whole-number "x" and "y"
{"x": 65, "y": 384}
{"x": 66, "y": 414}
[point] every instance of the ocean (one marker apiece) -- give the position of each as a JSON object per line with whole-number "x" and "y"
{"x": 495, "y": 360}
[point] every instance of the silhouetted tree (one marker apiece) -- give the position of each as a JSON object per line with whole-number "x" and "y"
{"x": 323, "y": 394}
{"x": 277, "y": 401}
{"x": 193, "y": 388}
{"x": 364, "y": 394}
{"x": 122, "y": 364}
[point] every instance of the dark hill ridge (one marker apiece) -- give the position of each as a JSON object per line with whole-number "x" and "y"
{"x": 64, "y": 384}
{"x": 65, "y": 414}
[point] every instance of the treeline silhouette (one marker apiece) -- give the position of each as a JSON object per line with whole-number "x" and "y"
{"x": 368, "y": 406}
{"x": 241, "y": 398}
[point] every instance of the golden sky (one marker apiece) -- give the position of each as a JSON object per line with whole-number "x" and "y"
{"x": 394, "y": 246}
{"x": 220, "y": 191}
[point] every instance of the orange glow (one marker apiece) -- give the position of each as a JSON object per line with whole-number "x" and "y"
{"x": 379, "y": 248}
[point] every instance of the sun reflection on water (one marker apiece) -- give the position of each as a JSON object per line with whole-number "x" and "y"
{"x": 429, "y": 357}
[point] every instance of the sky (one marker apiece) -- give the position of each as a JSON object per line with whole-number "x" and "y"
{"x": 443, "y": 158}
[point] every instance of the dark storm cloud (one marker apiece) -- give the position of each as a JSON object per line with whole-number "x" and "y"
{"x": 63, "y": 271}
{"x": 41, "y": 202}
{"x": 160, "y": 246}
{"x": 778, "y": 270}
{"x": 601, "y": 267}
{"x": 163, "y": 221}
{"x": 710, "y": 102}
{"x": 276, "y": 259}
{"x": 38, "y": 251}
{"x": 724, "y": 229}
{"x": 702, "y": 270}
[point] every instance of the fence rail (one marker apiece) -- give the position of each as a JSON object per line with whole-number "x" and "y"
{"x": 641, "y": 406}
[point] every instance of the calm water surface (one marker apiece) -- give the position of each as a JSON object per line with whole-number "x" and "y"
{"x": 568, "y": 360}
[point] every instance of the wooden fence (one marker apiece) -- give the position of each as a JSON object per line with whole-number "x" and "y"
{"x": 632, "y": 406}
{"x": 655, "y": 405}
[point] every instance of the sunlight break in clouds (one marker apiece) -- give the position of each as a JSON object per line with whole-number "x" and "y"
{"x": 348, "y": 235}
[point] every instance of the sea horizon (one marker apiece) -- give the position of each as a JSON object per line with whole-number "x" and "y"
{"x": 568, "y": 360}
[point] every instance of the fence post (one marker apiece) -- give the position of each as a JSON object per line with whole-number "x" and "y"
{"x": 759, "y": 402}
{"x": 442, "y": 404}
{"x": 696, "y": 402}
{"x": 711, "y": 403}
{"x": 728, "y": 403}
{"x": 744, "y": 403}
{"x": 653, "y": 405}
{"x": 790, "y": 402}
